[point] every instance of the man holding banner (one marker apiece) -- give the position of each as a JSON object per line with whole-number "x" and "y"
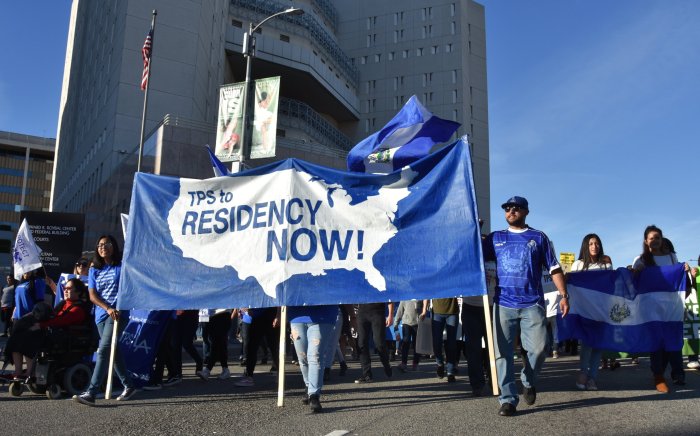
{"x": 521, "y": 253}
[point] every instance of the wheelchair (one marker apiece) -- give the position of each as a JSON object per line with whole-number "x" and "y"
{"x": 64, "y": 363}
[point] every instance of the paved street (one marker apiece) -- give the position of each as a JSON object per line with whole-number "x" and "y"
{"x": 412, "y": 403}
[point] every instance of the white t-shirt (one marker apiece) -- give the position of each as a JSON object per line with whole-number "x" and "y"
{"x": 663, "y": 260}
{"x": 578, "y": 266}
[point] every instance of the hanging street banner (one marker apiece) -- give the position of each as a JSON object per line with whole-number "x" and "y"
{"x": 229, "y": 133}
{"x": 294, "y": 233}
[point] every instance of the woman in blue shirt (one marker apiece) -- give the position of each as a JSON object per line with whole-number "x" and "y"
{"x": 103, "y": 285}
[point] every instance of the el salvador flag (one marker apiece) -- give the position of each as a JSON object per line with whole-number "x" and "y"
{"x": 620, "y": 311}
{"x": 218, "y": 166}
{"x": 408, "y": 137}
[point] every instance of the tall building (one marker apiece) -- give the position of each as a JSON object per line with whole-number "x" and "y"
{"x": 346, "y": 68}
{"x": 26, "y": 167}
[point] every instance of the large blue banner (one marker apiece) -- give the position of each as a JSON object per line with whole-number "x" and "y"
{"x": 294, "y": 233}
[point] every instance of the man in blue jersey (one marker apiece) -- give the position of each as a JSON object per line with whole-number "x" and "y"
{"x": 521, "y": 253}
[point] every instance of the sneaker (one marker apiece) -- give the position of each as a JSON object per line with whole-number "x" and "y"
{"x": 660, "y": 383}
{"x": 555, "y": 354}
{"x": 315, "y": 404}
{"x": 693, "y": 364}
{"x": 85, "y": 398}
{"x": 305, "y": 400}
{"x": 635, "y": 361}
{"x": 364, "y": 379}
{"x": 581, "y": 381}
{"x": 172, "y": 381}
{"x": 451, "y": 378}
{"x": 225, "y": 373}
{"x": 591, "y": 386}
{"x": 530, "y": 395}
{"x": 126, "y": 394}
{"x": 245, "y": 382}
{"x": 204, "y": 373}
{"x": 679, "y": 381}
{"x": 506, "y": 409}
{"x": 343, "y": 368}
{"x": 440, "y": 371}
{"x": 153, "y": 387}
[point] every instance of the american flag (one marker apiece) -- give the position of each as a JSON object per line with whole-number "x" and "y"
{"x": 146, "y": 53}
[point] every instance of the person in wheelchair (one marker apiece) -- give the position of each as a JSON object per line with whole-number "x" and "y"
{"x": 35, "y": 330}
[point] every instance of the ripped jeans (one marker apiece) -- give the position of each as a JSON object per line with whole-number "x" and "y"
{"x": 310, "y": 340}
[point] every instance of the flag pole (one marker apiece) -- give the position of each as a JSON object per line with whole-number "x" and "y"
{"x": 489, "y": 344}
{"x": 280, "y": 364}
{"x": 145, "y": 95}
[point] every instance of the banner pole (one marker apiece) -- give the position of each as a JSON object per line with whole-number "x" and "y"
{"x": 280, "y": 365}
{"x": 489, "y": 345}
{"x": 113, "y": 350}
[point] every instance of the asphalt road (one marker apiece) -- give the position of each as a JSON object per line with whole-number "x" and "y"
{"x": 411, "y": 403}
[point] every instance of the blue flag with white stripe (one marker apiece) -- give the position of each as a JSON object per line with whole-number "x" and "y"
{"x": 294, "y": 233}
{"x": 408, "y": 137}
{"x": 620, "y": 311}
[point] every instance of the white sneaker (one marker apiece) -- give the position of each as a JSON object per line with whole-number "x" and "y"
{"x": 204, "y": 373}
{"x": 693, "y": 364}
{"x": 224, "y": 374}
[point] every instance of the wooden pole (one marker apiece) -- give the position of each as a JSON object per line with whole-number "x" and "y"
{"x": 489, "y": 345}
{"x": 280, "y": 365}
{"x": 108, "y": 390}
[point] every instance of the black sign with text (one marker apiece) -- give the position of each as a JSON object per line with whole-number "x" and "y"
{"x": 60, "y": 237}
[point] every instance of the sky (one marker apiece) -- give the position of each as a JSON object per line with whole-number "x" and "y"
{"x": 593, "y": 111}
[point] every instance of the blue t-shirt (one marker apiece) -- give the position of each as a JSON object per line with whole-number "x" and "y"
{"x": 520, "y": 258}
{"x": 313, "y": 314}
{"x": 24, "y": 302}
{"x": 105, "y": 282}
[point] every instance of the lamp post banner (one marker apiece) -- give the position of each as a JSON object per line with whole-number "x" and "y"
{"x": 294, "y": 233}
{"x": 229, "y": 132}
{"x": 229, "y": 127}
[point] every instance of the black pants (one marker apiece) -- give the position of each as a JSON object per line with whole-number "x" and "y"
{"x": 216, "y": 331}
{"x": 166, "y": 355}
{"x": 474, "y": 325}
{"x": 261, "y": 327}
{"x": 408, "y": 340}
{"x": 183, "y": 338}
{"x": 370, "y": 317}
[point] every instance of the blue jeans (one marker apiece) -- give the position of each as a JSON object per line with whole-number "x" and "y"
{"x": 441, "y": 322}
{"x": 310, "y": 342}
{"x": 531, "y": 324}
{"x": 590, "y": 359}
{"x": 105, "y": 328}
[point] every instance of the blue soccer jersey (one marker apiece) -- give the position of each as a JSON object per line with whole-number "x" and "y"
{"x": 520, "y": 258}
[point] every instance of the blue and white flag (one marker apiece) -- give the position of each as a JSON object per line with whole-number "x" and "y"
{"x": 140, "y": 340}
{"x": 294, "y": 233}
{"x": 618, "y": 311}
{"x": 26, "y": 254}
{"x": 408, "y": 137}
{"x": 218, "y": 166}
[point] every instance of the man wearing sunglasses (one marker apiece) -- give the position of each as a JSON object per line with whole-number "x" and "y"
{"x": 521, "y": 253}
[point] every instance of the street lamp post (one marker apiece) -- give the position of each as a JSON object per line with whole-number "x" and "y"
{"x": 248, "y": 107}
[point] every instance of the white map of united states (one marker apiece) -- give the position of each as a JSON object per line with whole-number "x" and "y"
{"x": 246, "y": 250}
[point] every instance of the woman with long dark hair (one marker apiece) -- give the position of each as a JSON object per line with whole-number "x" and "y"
{"x": 653, "y": 254}
{"x": 103, "y": 287}
{"x": 591, "y": 257}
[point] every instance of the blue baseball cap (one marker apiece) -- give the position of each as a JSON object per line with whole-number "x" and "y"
{"x": 516, "y": 201}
